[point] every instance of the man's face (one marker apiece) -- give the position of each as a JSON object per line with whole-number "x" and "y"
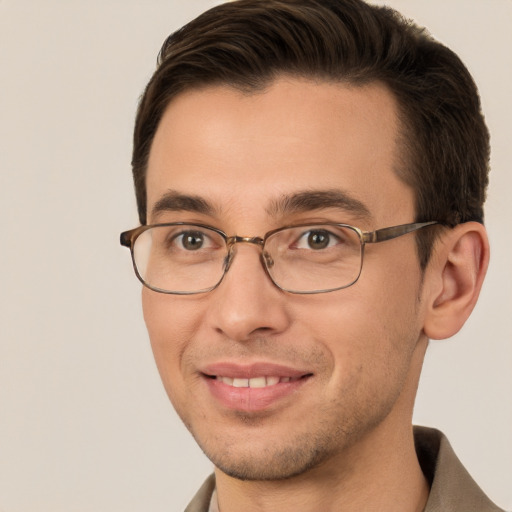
{"x": 324, "y": 372}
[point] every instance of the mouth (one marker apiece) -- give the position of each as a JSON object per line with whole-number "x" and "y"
{"x": 255, "y": 382}
{"x": 255, "y": 387}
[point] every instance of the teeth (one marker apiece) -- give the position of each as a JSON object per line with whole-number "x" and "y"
{"x": 258, "y": 382}
{"x": 255, "y": 382}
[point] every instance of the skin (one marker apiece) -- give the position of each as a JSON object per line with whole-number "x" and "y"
{"x": 343, "y": 439}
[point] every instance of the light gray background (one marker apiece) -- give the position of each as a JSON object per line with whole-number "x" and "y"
{"x": 84, "y": 422}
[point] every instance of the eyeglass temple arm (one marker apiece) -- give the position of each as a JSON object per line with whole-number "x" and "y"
{"x": 381, "y": 235}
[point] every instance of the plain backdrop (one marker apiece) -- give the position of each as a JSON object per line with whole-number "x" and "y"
{"x": 84, "y": 421}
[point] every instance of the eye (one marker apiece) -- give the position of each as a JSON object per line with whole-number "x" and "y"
{"x": 191, "y": 240}
{"x": 317, "y": 239}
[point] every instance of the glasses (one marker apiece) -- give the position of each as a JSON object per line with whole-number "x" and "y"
{"x": 185, "y": 259}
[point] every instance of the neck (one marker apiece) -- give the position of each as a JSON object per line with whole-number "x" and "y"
{"x": 380, "y": 473}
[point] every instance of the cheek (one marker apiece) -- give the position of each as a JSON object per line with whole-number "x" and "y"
{"x": 371, "y": 328}
{"x": 393, "y": 316}
{"x": 391, "y": 280}
{"x": 171, "y": 323}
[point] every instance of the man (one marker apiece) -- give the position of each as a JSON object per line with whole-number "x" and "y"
{"x": 310, "y": 178}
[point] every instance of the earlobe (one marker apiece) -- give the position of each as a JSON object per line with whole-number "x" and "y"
{"x": 455, "y": 278}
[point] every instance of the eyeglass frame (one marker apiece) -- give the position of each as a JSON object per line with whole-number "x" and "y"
{"x": 128, "y": 239}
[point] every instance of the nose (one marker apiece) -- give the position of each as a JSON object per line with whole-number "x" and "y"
{"x": 246, "y": 304}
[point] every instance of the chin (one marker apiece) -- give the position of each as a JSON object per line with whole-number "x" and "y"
{"x": 270, "y": 462}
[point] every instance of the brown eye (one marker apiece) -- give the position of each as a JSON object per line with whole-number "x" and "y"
{"x": 318, "y": 239}
{"x": 191, "y": 240}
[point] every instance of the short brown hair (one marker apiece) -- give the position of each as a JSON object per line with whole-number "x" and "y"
{"x": 246, "y": 44}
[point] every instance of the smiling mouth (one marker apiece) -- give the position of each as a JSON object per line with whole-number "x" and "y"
{"x": 253, "y": 389}
{"x": 255, "y": 382}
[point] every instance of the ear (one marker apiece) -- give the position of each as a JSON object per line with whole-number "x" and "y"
{"x": 454, "y": 278}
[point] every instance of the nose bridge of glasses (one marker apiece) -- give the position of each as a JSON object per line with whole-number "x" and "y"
{"x": 255, "y": 240}
{"x": 232, "y": 240}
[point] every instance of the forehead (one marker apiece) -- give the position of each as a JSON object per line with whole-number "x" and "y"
{"x": 245, "y": 153}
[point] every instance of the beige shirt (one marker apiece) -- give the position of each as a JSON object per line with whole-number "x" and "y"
{"x": 452, "y": 488}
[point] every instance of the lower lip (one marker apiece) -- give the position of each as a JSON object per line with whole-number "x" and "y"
{"x": 252, "y": 399}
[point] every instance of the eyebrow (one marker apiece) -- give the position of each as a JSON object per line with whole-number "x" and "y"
{"x": 298, "y": 202}
{"x": 173, "y": 201}
{"x": 310, "y": 200}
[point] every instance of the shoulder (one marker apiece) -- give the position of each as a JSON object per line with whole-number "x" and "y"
{"x": 452, "y": 487}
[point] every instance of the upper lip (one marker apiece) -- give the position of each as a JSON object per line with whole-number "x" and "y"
{"x": 252, "y": 370}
